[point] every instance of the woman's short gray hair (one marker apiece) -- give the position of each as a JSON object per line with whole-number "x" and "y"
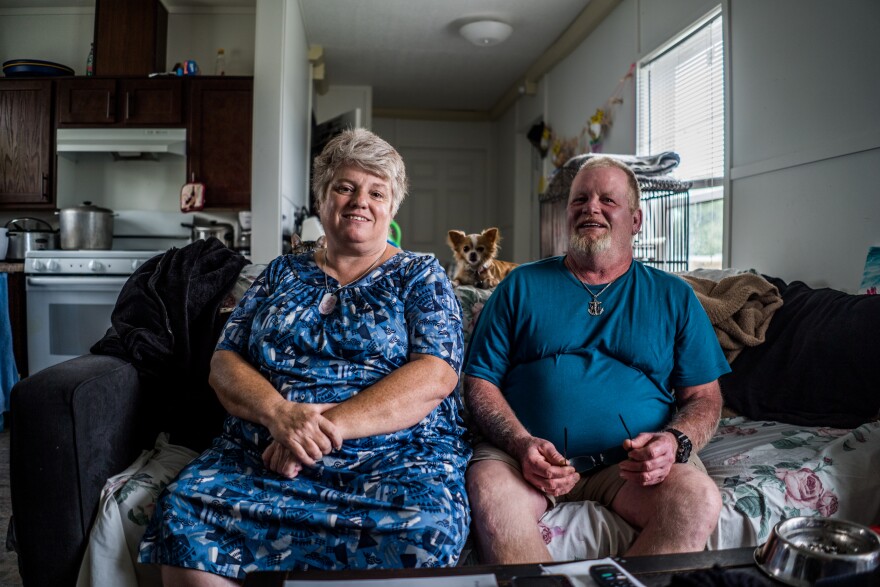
{"x": 635, "y": 192}
{"x": 360, "y": 148}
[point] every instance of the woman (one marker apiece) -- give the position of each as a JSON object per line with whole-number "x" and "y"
{"x": 344, "y": 445}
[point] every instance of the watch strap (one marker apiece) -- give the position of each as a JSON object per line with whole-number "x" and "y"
{"x": 683, "y": 452}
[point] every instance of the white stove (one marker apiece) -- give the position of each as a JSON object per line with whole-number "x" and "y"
{"x": 85, "y": 262}
{"x": 70, "y": 297}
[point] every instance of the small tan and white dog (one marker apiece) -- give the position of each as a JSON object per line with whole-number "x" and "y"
{"x": 475, "y": 258}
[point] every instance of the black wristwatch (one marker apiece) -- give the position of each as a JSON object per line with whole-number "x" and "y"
{"x": 683, "y": 453}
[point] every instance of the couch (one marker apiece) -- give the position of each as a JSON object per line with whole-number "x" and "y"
{"x": 805, "y": 439}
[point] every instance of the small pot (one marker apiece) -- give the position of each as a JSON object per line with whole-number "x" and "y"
{"x": 29, "y": 234}
{"x": 86, "y": 227}
{"x": 219, "y": 230}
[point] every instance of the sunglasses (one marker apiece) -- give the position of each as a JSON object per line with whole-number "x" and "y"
{"x": 584, "y": 463}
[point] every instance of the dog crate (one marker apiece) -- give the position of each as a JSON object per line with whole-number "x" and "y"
{"x": 663, "y": 240}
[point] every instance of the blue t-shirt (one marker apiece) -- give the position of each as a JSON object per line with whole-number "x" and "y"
{"x": 559, "y": 367}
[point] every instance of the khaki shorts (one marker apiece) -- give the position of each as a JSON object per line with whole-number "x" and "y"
{"x": 602, "y": 486}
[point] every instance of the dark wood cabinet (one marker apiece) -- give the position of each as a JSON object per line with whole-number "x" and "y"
{"x": 26, "y": 144}
{"x": 219, "y": 139}
{"x": 130, "y": 37}
{"x": 120, "y": 102}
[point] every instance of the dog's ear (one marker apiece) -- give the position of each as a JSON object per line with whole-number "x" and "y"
{"x": 491, "y": 234}
{"x": 455, "y": 237}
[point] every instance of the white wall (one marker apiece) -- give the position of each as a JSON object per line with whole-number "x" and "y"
{"x": 805, "y": 144}
{"x": 61, "y": 35}
{"x": 282, "y": 102}
{"x": 804, "y": 138}
{"x": 341, "y": 99}
{"x": 477, "y": 138}
{"x": 197, "y": 33}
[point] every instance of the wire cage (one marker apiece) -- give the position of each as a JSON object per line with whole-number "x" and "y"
{"x": 663, "y": 240}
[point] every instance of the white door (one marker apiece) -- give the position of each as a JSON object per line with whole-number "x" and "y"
{"x": 447, "y": 191}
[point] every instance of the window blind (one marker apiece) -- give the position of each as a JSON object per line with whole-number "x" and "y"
{"x": 681, "y": 104}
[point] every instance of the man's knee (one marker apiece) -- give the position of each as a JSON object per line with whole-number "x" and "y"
{"x": 491, "y": 478}
{"x": 495, "y": 485}
{"x": 696, "y": 497}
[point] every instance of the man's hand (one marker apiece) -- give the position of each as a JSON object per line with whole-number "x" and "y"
{"x": 546, "y": 469}
{"x": 650, "y": 458}
{"x": 304, "y": 433}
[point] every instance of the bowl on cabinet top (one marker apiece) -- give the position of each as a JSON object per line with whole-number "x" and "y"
{"x": 35, "y": 68}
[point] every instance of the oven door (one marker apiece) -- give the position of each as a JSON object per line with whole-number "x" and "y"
{"x": 66, "y": 315}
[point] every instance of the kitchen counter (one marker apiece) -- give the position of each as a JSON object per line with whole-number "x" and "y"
{"x": 11, "y": 267}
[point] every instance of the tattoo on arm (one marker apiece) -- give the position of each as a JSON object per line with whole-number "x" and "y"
{"x": 698, "y": 418}
{"x": 492, "y": 420}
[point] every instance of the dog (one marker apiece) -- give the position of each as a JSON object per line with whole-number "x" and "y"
{"x": 475, "y": 258}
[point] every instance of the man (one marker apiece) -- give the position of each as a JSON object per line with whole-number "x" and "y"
{"x": 572, "y": 354}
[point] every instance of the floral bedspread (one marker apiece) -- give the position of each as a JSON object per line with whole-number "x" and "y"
{"x": 766, "y": 472}
{"x": 769, "y": 471}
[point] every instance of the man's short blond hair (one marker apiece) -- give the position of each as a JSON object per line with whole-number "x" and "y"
{"x": 634, "y": 193}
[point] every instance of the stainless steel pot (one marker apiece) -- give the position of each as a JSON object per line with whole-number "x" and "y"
{"x": 86, "y": 227}
{"x": 29, "y": 234}
{"x": 219, "y": 230}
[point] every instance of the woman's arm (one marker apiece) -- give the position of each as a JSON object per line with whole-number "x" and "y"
{"x": 399, "y": 400}
{"x": 300, "y": 427}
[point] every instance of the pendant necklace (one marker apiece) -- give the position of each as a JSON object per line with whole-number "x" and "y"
{"x": 328, "y": 301}
{"x": 594, "y": 308}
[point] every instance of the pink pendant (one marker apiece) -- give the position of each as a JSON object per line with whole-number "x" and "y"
{"x": 328, "y": 303}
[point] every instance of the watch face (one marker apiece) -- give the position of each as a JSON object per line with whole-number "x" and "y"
{"x": 684, "y": 449}
{"x": 683, "y": 453}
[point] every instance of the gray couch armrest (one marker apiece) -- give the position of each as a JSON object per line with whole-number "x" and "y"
{"x": 73, "y": 425}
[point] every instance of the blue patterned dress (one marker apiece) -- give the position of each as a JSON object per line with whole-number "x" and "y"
{"x": 392, "y": 500}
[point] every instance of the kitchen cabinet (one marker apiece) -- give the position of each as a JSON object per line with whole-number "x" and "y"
{"x": 130, "y": 37}
{"x": 120, "y": 102}
{"x": 219, "y": 139}
{"x": 26, "y": 144}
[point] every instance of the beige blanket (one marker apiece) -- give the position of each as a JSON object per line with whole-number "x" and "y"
{"x": 740, "y": 308}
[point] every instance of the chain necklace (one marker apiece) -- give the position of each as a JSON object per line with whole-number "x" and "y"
{"x": 594, "y": 308}
{"x": 328, "y": 301}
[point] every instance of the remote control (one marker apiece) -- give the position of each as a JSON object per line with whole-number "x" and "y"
{"x": 609, "y": 576}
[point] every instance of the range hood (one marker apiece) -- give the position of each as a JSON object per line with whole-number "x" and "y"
{"x": 122, "y": 142}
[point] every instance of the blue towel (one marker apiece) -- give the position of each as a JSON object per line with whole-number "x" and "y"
{"x": 8, "y": 370}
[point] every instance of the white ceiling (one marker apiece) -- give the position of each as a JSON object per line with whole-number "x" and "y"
{"x": 410, "y": 51}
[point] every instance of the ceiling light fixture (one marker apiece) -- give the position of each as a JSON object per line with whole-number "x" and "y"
{"x": 486, "y": 32}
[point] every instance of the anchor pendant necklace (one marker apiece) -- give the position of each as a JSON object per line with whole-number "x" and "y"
{"x": 328, "y": 301}
{"x": 594, "y": 308}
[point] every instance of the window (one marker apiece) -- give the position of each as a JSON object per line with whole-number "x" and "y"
{"x": 681, "y": 108}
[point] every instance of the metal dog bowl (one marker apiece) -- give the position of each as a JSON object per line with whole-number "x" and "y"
{"x": 801, "y": 551}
